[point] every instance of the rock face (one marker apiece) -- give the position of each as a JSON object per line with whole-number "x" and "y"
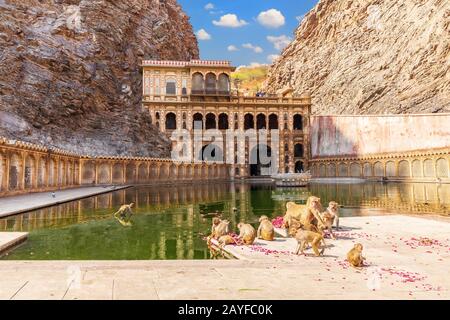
{"x": 70, "y": 71}
{"x": 370, "y": 56}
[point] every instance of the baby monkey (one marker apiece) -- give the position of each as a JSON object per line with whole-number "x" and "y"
{"x": 354, "y": 256}
{"x": 305, "y": 237}
{"x": 333, "y": 213}
{"x": 220, "y": 228}
{"x": 226, "y": 240}
{"x": 265, "y": 230}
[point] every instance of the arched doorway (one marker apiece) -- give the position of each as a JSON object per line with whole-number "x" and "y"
{"x": 249, "y": 122}
{"x": 198, "y": 83}
{"x": 260, "y": 121}
{"x": 15, "y": 169}
{"x": 211, "y": 83}
{"x": 210, "y": 121}
{"x": 299, "y": 167}
{"x": 273, "y": 122}
{"x": 224, "y": 84}
{"x": 260, "y": 161}
{"x": 298, "y": 150}
{"x": 197, "y": 121}
{"x": 298, "y": 122}
{"x": 223, "y": 121}
{"x": 171, "y": 121}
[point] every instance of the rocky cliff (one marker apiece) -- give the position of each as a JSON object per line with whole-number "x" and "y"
{"x": 370, "y": 56}
{"x": 70, "y": 71}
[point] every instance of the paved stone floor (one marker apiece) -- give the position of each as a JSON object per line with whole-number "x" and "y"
{"x": 9, "y": 239}
{"x": 32, "y": 201}
{"x": 399, "y": 267}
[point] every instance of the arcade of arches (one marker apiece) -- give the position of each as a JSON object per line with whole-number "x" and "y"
{"x": 27, "y": 168}
{"x": 420, "y": 167}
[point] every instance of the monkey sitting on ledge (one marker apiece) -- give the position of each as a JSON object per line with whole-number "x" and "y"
{"x": 247, "y": 233}
{"x": 265, "y": 230}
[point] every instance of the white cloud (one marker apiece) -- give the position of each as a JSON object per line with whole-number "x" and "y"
{"x": 250, "y": 46}
{"x": 210, "y": 6}
{"x": 232, "y": 48}
{"x": 279, "y": 42}
{"x": 230, "y": 21}
{"x": 271, "y": 18}
{"x": 273, "y": 57}
{"x": 203, "y": 35}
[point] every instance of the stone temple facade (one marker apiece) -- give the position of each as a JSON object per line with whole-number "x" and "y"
{"x": 198, "y": 94}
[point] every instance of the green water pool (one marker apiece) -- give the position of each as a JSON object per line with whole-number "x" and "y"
{"x": 168, "y": 222}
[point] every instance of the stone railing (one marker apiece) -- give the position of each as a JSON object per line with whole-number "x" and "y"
{"x": 26, "y": 167}
{"x": 234, "y": 99}
{"x": 420, "y": 166}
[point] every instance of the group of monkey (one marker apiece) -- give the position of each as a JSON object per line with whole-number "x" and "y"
{"x": 306, "y": 223}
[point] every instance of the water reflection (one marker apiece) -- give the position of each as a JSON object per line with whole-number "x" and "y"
{"x": 168, "y": 221}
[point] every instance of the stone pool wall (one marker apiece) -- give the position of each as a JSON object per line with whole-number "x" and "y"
{"x": 26, "y": 167}
{"x": 383, "y": 147}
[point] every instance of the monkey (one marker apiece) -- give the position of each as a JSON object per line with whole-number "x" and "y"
{"x": 226, "y": 240}
{"x": 354, "y": 256}
{"x": 215, "y": 222}
{"x": 123, "y": 215}
{"x": 305, "y": 237}
{"x": 294, "y": 226}
{"x": 247, "y": 233}
{"x": 328, "y": 217}
{"x": 265, "y": 230}
{"x": 308, "y": 214}
{"x": 221, "y": 229}
{"x": 333, "y": 211}
{"x": 125, "y": 211}
{"x": 293, "y": 211}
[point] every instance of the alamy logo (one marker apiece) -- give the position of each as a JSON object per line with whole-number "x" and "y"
{"x": 231, "y": 147}
{"x": 74, "y": 277}
{"x": 374, "y": 277}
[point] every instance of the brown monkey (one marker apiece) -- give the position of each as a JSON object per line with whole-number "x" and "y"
{"x": 265, "y": 230}
{"x": 305, "y": 237}
{"x": 308, "y": 214}
{"x": 125, "y": 211}
{"x": 226, "y": 240}
{"x": 295, "y": 225}
{"x": 354, "y": 256}
{"x": 215, "y": 222}
{"x": 247, "y": 233}
{"x": 293, "y": 212}
{"x": 329, "y": 217}
{"x": 333, "y": 211}
{"x": 221, "y": 229}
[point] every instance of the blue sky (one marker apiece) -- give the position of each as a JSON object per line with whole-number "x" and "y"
{"x": 244, "y": 31}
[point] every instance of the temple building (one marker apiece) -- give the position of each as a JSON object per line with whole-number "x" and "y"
{"x": 186, "y": 94}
